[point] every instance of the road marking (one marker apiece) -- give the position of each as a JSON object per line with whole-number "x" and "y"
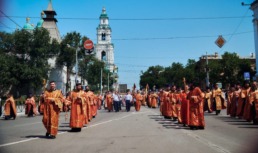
{"x": 22, "y": 125}
{"x": 90, "y": 126}
{"x": 210, "y": 144}
{"x": 12, "y": 143}
{"x": 202, "y": 140}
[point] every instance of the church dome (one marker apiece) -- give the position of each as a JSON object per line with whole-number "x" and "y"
{"x": 103, "y": 14}
{"x": 28, "y": 26}
{"x": 40, "y": 23}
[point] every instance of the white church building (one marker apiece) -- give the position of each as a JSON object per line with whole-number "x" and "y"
{"x": 105, "y": 48}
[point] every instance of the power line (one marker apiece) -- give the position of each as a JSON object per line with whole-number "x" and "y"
{"x": 183, "y": 37}
{"x": 10, "y": 19}
{"x": 182, "y": 18}
{"x": 146, "y": 19}
{"x": 238, "y": 26}
{"x": 5, "y": 26}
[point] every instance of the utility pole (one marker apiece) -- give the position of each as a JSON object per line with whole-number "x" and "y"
{"x": 207, "y": 72}
{"x": 76, "y": 61}
{"x": 101, "y": 81}
{"x": 108, "y": 81}
{"x": 76, "y": 64}
{"x": 254, "y": 8}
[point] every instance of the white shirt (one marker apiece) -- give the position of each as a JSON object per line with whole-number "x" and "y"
{"x": 128, "y": 97}
{"x": 115, "y": 97}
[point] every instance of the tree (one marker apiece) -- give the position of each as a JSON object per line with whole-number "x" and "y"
{"x": 215, "y": 71}
{"x": 245, "y": 66}
{"x": 152, "y": 77}
{"x": 90, "y": 69}
{"x": 191, "y": 72}
{"x": 174, "y": 74}
{"x": 67, "y": 56}
{"x": 229, "y": 69}
{"x": 27, "y": 54}
{"x": 6, "y": 61}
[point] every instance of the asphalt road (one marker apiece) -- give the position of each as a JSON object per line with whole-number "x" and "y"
{"x": 130, "y": 132}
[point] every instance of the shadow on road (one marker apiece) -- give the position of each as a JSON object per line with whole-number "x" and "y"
{"x": 64, "y": 130}
{"x": 209, "y": 114}
{"x": 237, "y": 121}
{"x": 168, "y": 123}
{"x": 64, "y": 126}
{"x": 250, "y": 127}
{"x": 36, "y": 136}
{"x": 154, "y": 115}
{"x": 65, "y": 123}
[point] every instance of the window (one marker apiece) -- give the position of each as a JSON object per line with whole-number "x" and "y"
{"x": 103, "y": 36}
{"x": 103, "y": 56}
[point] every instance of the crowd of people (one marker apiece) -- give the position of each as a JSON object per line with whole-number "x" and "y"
{"x": 82, "y": 105}
{"x": 186, "y": 106}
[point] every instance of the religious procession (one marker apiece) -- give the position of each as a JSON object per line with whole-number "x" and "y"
{"x": 82, "y": 105}
{"x": 186, "y": 105}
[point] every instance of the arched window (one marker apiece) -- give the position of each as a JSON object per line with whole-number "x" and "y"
{"x": 103, "y": 56}
{"x": 103, "y": 36}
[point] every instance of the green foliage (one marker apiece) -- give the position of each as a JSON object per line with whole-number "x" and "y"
{"x": 21, "y": 100}
{"x": 24, "y": 59}
{"x": 90, "y": 69}
{"x": 152, "y": 77}
{"x": 68, "y": 46}
{"x": 215, "y": 71}
{"x": 229, "y": 69}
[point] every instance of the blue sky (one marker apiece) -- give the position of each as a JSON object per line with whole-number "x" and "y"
{"x": 167, "y": 30}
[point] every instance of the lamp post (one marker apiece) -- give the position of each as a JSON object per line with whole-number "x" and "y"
{"x": 207, "y": 72}
{"x": 108, "y": 81}
{"x": 76, "y": 65}
{"x": 101, "y": 81}
{"x": 76, "y": 61}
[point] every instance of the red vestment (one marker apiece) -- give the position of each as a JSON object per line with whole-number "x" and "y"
{"x": 196, "y": 116}
{"x": 153, "y": 98}
{"x": 184, "y": 108}
{"x": 166, "y": 106}
{"x": 242, "y": 100}
{"x": 77, "y": 117}
{"x": 109, "y": 101}
{"x": 31, "y": 107}
{"x": 173, "y": 100}
{"x": 138, "y": 103}
{"x": 10, "y": 108}
{"x": 53, "y": 105}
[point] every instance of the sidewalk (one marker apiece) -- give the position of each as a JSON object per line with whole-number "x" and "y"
{"x": 20, "y": 111}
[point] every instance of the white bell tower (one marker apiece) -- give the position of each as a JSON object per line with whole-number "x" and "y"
{"x": 104, "y": 47}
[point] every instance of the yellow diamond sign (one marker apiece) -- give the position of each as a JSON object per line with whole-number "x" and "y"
{"x": 220, "y": 41}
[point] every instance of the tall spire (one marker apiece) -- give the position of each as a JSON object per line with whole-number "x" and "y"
{"x": 50, "y": 7}
{"x": 50, "y": 22}
{"x": 103, "y": 10}
{"x": 103, "y": 13}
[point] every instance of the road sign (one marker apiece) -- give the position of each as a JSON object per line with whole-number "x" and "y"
{"x": 247, "y": 75}
{"x": 220, "y": 41}
{"x": 88, "y": 44}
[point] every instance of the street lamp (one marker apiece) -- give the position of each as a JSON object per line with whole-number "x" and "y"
{"x": 207, "y": 72}
{"x": 76, "y": 61}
